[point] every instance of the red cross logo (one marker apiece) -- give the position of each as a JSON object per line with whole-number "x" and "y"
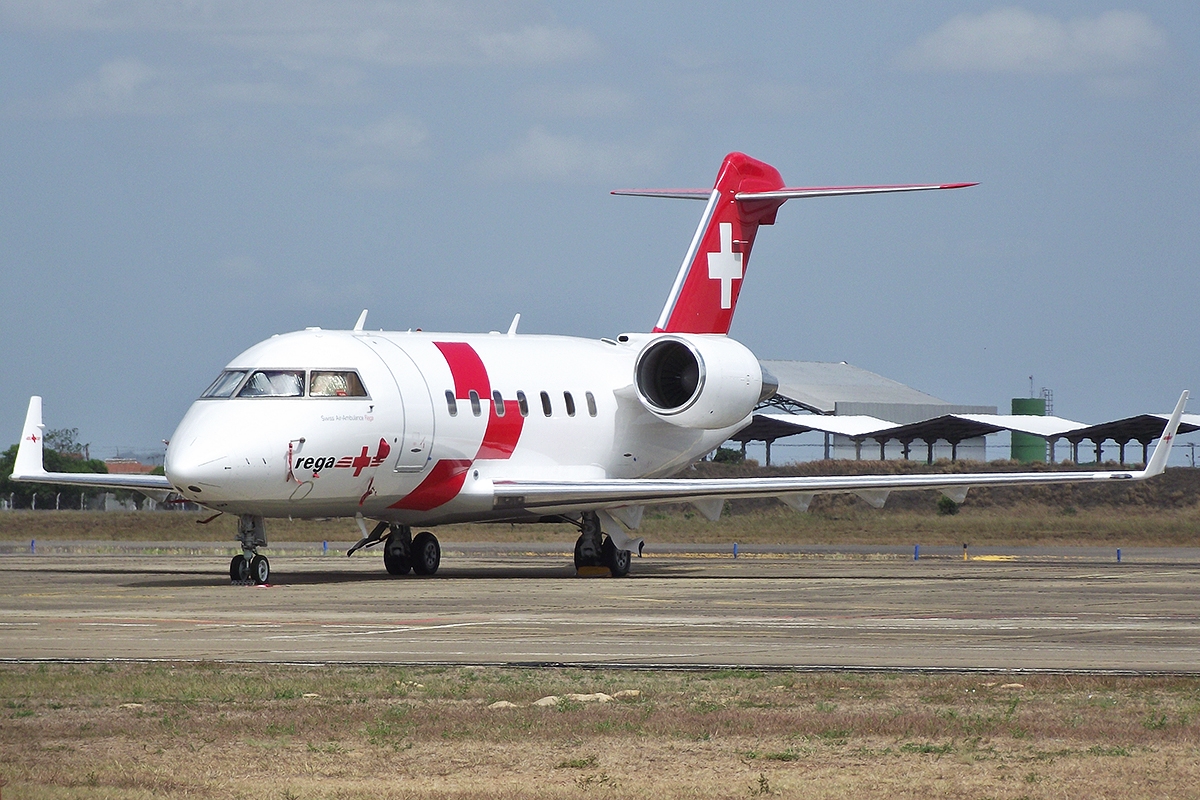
{"x": 361, "y": 462}
{"x": 33, "y": 437}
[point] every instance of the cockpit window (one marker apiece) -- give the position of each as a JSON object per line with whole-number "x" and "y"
{"x": 225, "y": 383}
{"x": 274, "y": 383}
{"x": 324, "y": 383}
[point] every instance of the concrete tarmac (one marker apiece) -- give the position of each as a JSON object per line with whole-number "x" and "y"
{"x": 864, "y": 608}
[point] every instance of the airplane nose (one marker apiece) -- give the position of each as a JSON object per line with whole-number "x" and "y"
{"x": 198, "y": 470}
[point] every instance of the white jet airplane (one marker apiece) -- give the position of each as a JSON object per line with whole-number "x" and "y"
{"x": 416, "y": 429}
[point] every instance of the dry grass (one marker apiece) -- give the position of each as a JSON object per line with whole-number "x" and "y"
{"x": 226, "y": 731}
{"x": 992, "y": 526}
{"x": 1163, "y": 512}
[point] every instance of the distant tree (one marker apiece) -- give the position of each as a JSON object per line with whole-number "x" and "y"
{"x": 23, "y": 494}
{"x": 64, "y": 441}
{"x": 727, "y": 455}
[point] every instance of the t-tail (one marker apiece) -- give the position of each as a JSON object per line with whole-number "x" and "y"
{"x": 747, "y": 194}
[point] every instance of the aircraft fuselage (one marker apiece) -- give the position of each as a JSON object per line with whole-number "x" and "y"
{"x": 439, "y": 417}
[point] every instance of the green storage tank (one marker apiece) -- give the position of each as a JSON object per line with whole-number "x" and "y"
{"x": 1026, "y": 447}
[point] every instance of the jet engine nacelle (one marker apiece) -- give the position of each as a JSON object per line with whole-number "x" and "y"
{"x": 698, "y": 381}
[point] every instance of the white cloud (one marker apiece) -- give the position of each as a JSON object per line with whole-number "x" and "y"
{"x": 1015, "y": 40}
{"x": 543, "y": 156}
{"x": 470, "y": 32}
{"x": 120, "y": 86}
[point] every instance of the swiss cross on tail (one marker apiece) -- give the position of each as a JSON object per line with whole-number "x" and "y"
{"x": 747, "y": 193}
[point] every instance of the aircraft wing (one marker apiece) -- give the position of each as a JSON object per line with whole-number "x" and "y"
{"x": 707, "y": 494}
{"x": 29, "y": 467}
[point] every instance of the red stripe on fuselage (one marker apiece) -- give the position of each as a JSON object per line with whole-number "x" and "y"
{"x": 445, "y": 480}
{"x": 500, "y": 438}
{"x": 441, "y": 485}
{"x": 467, "y": 368}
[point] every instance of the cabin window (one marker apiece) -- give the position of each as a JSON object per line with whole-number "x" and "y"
{"x": 591, "y": 403}
{"x": 451, "y": 403}
{"x": 225, "y": 383}
{"x": 498, "y": 403}
{"x": 546, "y": 404}
{"x": 522, "y": 404}
{"x": 274, "y": 383}
{"x": 570, "y": 401}
{"x": 325, "y": 383}
{"x": 475, "y": 409}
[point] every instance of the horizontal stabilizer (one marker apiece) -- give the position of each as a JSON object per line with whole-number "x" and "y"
{"x": 669, "y": 194}
{"x": 791, "y": 193}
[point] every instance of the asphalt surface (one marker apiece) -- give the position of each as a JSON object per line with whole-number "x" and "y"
{"x": 1062, "y": 609}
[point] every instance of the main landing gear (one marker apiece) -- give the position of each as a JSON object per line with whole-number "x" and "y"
{"x": 595, "y": 549}
{"x": 403, "y": 552}
{"x": 249, "y": 566}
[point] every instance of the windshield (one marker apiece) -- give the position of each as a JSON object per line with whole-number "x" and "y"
{"x": 225, "y": 383}
{"x": 325, "y": 383}
{"x": 274, "y": 383}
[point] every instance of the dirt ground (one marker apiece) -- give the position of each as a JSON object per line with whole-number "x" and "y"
{"x": 138, "y": 731}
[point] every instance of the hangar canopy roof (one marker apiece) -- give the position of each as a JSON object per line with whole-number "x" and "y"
{"x": 819, "y": 386}
{"x": 960, "y": 427}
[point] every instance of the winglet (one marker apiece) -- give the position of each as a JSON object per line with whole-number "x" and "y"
{"x": 362, "y": 320}
{"x": 28, "y": 463}
{"x": 1158, "y": 459}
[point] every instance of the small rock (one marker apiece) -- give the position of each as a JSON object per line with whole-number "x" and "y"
{"x": 309, "y": 695}
{"x": 132, "y": 705}
{"x": 503, "y": 704}
{"x": 552, "y": 700}
{"x": 1013, "y": 686}
{"x": 598, "y": 697}
{"x": 627, "y": 694}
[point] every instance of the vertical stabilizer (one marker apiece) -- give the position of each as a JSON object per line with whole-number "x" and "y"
{"x": 706, "y": 290}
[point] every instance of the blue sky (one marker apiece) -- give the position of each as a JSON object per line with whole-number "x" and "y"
{"x": 181, "y": 180}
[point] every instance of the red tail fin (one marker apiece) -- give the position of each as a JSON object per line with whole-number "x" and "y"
{"x": 707, "y": 287}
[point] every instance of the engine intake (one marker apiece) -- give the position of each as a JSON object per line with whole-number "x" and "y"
{"x": 698, "y": 381}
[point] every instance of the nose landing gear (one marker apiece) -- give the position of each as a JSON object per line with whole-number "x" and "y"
{"x": 249, "y": 565}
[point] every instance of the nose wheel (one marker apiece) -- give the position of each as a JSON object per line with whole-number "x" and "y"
{"x": 254, "y": 569}
{"x": 249, "y": 566}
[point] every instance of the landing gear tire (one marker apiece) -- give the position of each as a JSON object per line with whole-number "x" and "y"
{"x": 397, "y": 557}
{"x": 239, "y": 568}
{"x": 617, "y": 561}
{"x": 585, "y": 559}
{"x": 260, "y": 570}
{"x": 589, "y": 547}
{"x": 426, "y": 553}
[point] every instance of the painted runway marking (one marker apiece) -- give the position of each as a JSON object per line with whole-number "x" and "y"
{"x": 379, "y": 631}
